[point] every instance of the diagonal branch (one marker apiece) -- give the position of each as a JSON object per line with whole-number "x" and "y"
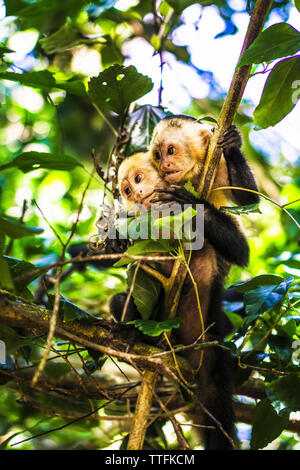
{"x": 234, "y": 96}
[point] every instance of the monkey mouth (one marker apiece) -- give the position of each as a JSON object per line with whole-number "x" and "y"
{"x": 146, "y": 200}
{"x": 171, "y": 176}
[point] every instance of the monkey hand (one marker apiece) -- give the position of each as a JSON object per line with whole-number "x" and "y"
{"x": 230, "y": 138}
{"x": 175, "y": 194}
{"x": 116, "y": 245}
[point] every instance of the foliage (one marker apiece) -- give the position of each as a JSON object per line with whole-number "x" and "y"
{"x": 52, "y": 117}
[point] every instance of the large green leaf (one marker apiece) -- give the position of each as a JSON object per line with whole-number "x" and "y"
{"x": 140, "y": 124}
{"x": 145, "y": 292}
{"x": 259, "y": 281}
{"x": 279, "y": 40}
{"x": 261, "y": 299}
{"x": 15, "y": 229}
{"x": 118, "y": 86}
{"x": 297, "y": 4}
{"x": 267, "y": 424}
{"x": 29, "y": 161}
{"x": 279, "y": 95}
{"x": 44, "y": 80}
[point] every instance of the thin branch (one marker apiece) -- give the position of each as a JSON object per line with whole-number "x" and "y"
{"x": 59, "y": 428}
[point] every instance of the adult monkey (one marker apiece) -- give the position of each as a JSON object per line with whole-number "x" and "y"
{"x": 224, "y": 244}
{"x": 178, "y": 149}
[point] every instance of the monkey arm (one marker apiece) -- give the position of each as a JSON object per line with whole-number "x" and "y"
{"x": 220, "y": 229}
{"x": 240, "y": 175}
{"x": 239, "y": 172}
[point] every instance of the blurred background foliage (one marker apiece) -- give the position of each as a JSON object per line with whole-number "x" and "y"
{"x": 74, "y": 40}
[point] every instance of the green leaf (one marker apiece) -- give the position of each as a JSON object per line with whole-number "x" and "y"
{"x": 286, "y": 390}
{"x": 155, "y": 42}
{"x": 262, "y": 280}
{"x": 238, "y": 210}
{"x": 279, "y": 95}
{"x": 63, "y": 39}
{"x": 72, "y": 312}
{"x": 118, "y": 86}
{"x": 267, "y": 425}
{"x": 140, "y": 124}
{"x": 29, "y": 161}
{"x": 208, "y": 119}
{"x": 44, "y": 80}
{"x": 145, "y": 293}
{"x": 15, "y": 229}
{"x": 19, "y": 267}
{"x": 235, "y": 319}
{"x": 279, "y": 40}
{"x": 261, "y": 299}
{"x": 190, "y": 188}
{"x": 154, "y": 328}
{"x": 297, "y": 4}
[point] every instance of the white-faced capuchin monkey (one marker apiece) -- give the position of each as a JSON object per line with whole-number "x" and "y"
{"x": 178, "y": 148}
{"x": 224, "y": 244}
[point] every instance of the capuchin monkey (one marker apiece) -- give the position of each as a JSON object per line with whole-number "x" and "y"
{"x": 179, "y": 146}
{"x": 224, "y": 244}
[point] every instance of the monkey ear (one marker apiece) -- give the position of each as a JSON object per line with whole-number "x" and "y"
{"x": 205, "y": 136}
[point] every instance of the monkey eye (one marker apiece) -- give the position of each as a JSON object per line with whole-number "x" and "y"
{"x": 138, "y": 178}
{"x": 127, "y": 190}
{"x": 157, "y": 156}
{"x": 171, "y": 150}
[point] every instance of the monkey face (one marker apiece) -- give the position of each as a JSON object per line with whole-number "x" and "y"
{"x": 177, "y": 151}
{"x": 138, "y": 179}
{"x": 170, "y": 155}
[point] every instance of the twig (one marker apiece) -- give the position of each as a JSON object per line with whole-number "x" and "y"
{"x": 282, "y": 207}
{"x": 73, "y": 421}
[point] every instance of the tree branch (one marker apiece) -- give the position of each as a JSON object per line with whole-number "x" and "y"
{"x": 234, "y": 96}
{"x": 97, "y": 335}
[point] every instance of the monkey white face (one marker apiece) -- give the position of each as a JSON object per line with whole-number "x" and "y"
{"x": 177, "y": 149}
{"x": 137, "y": 180}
